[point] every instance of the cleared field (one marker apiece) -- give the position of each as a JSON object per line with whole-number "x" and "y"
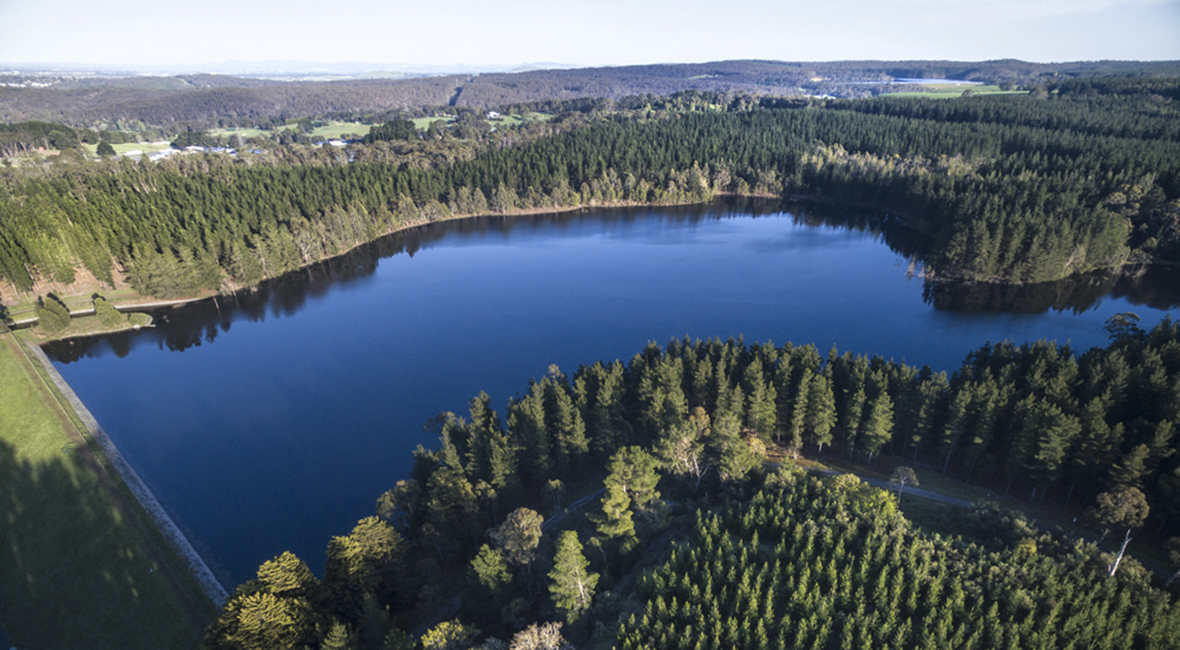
{"x": 423, "y": 123}
{"x": 947, "y": 91}
{"x": 77, "y": 568}
{"x": 337, "y": 130}
{"x": 146, "y": 147}
{"x": 515, "y": 119}
{"x": 327, "y": 131}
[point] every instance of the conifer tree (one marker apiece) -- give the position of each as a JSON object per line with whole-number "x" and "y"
{"x": 527, "y": 430}
{"x": 799, "y": 413}
{"x": 633, "y": 470}
{"x": 878, "y": 427}
{"x": 369, "y": 560}
{"x": 490, "y": 577}
{"x": 760, "y": 400}
{"x": 571, "y": 586}
{"x": 957, "y": 422}
{"x": 733, "y": 456}
{"x": 614, "y": 524}
{"x": 853, "y": 414}
{"x": 1130, "y": 470}
{"x": 288, "y": 576}
{"x": 449, "y": 635}
{"x": 338, "y": 638}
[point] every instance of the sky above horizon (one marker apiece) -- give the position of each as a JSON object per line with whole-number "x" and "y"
{"x": 579, "y": 32}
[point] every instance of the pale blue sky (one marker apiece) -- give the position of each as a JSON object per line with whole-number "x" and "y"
{"x": 602, "y": 32}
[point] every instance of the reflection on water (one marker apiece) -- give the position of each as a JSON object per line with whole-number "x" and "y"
{"x": 1155, "y": 287}
{"x": 181, "y": 327}
{"x": 193, "y": 324}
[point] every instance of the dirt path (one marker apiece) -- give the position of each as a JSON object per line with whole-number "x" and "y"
{"x": 209, "y": 584}
{"x": 917, "y": 492}
{"x": 553, "y": 521}
{"x": 911, "y": 491}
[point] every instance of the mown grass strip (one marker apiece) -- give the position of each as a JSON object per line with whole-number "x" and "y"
{"x": 77, "y": 566}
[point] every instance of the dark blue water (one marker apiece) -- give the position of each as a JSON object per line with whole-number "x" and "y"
{"x": 275, "y": 421}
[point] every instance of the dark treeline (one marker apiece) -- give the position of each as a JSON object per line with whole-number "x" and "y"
{"x": 1000, "y": 199}
{"x": 692, "y": 421}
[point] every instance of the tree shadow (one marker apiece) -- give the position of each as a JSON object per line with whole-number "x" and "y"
{"x": 74, "y": 572}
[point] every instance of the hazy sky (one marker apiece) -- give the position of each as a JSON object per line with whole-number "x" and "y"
{"x": 599, "y": 32}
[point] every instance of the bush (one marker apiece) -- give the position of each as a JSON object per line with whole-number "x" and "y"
{"x": 52, "y": 314}
{"x": 107, "y": 314}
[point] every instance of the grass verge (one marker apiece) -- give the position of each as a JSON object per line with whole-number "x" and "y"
{"x": 78, "y": 567}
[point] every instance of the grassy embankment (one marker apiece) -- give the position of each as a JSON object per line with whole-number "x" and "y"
{"x": 80, "y": 564}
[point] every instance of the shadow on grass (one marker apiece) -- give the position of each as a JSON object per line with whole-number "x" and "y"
{"x": 73, "y": 573}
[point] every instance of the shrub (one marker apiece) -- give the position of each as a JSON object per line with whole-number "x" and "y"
{"x": 107, "y": 314}
{"x": 52, "y": 314}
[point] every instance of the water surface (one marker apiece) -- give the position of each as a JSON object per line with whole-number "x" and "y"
{"x": 273, "y": 421}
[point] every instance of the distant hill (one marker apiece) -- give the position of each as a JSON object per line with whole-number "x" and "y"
{"x": 208, "y": 100}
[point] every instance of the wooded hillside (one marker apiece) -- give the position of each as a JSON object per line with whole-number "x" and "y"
{"x": 1007, "y": 188}
{"x": 208, "y": 101}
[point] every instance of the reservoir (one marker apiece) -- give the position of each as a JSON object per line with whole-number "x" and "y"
{"x": 273, "y": 421}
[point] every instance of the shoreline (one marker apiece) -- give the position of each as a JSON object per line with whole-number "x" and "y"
{"x": 209, "y": 294}
{"x": 156, "y": 303}
{"x": 210, "y": 586}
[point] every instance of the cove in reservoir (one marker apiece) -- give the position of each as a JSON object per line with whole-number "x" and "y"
{"x": 273, "y": 421}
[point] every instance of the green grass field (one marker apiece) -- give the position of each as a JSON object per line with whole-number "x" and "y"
{"x": 423, "y": 123}
{"x": 949, "y": 91}
{"x": 339, "y": 129}
{"x": 328, "y": 131}
{"x": 77, "y": 568}
{"x": 245, "y": 133}
{"x": 146, "y": 147}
